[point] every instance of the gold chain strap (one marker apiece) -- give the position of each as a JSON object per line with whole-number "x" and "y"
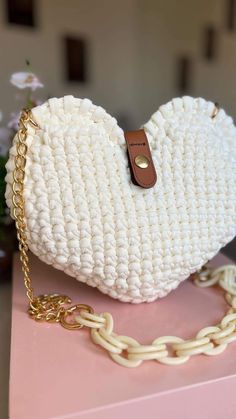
{"x": 49, "y": 308}
{"x": 124, "y": 350}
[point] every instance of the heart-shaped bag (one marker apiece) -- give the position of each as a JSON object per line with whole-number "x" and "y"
{"x": 90, "y": 210}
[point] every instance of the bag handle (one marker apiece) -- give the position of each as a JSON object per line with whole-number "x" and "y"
{"x": 124, "y": 350}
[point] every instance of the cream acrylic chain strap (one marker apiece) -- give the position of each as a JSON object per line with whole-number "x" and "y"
{"x": 171, "y": 350}
{"x": 124, "y": 350}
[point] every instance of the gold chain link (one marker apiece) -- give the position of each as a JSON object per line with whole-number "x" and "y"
{"x": 124, "y": 350}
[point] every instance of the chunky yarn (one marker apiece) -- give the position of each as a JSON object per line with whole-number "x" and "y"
{"x": 85, "y": 217}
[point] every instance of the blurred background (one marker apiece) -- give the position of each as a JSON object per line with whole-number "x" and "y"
{"x": 129, "y": 56}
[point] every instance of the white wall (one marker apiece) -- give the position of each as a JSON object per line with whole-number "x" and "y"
{"x": 133, "y": 47}
{"x": 173, "y": 28}
{"x": 109, "y": 28}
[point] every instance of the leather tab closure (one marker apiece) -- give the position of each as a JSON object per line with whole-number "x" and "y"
{"x": 142, "y": 169}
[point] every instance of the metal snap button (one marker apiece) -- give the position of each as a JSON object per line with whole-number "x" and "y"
{"x": 141, "y": 161}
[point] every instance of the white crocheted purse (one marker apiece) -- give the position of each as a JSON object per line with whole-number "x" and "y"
{"x": 76, "y": 206}
{"x": 85, "y": 216}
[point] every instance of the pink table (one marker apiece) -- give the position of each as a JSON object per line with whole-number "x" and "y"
{"x": 57, "y": 373}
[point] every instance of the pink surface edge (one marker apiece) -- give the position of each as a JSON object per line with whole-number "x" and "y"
{"x": 57, "y": 373}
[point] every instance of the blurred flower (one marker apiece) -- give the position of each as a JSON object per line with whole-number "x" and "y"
{"x": 5, "y": 141}
{"x": 14, "y": 121}
{"x": 24, "y": 79}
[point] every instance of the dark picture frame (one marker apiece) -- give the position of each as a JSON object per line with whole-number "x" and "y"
{"x": 21, "y": 12}
{"x": 76, "y": 59}
{"x": 210, "y": 43}
{"x": 231, "y": 15}
{"x": 184, "y": 70}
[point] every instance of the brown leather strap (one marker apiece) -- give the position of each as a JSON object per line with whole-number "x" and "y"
{"x": 142, "y": 169}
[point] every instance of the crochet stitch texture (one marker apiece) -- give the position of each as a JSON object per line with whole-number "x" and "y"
{"x": 85, "y": 217}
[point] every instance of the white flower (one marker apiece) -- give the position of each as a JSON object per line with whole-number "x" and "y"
{"x": 14, "y": 121}
{"x": 5, "y": 141}
{"x": 24, "y": 79}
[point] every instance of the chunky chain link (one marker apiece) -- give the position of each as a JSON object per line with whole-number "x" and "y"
{"x": 170, "y": 350}
{"x": 124, "y": 350}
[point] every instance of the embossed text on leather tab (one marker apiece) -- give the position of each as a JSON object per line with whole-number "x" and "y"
{"x": 142, "y": 169}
